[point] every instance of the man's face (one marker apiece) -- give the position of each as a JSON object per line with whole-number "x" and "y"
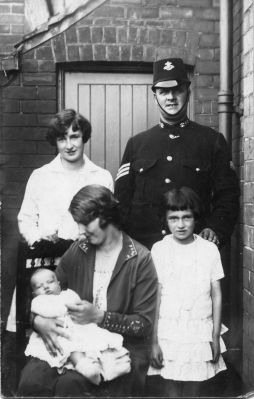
{"x": 171, "y": 100}
{"x": 71, "y": 146}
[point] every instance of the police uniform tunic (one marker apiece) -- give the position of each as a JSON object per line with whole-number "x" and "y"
{"x": 165, "y": 157}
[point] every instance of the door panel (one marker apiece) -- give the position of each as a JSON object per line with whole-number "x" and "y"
{"x": 118, "y": 105}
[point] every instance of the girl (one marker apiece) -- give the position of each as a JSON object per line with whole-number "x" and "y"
{"x": 186, "y": 343}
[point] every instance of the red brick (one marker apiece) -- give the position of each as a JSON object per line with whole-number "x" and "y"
{"x": 208, "y": 13}
{"x": 122, "y": 35}
{"x": 39, "y": 79}
{"x": 86, "y": 53}
{"x": 249, "y": 171}
{"x": 175, "y": 13}
{"x": 154, "y": 37}
{"x": 107, "y": 11}
{"x": 73, "y": 53}
{"x": 203, "y": 80}
{"x": 132, "y": 35}
{"x": 97, "y": 34}
{"x": 207, "y": 67}
{"x": 29, "y": 65}
{"x": 17, "y": 29}
{"x": 9, "y": 39}
{"x": 137, "y": 53}
{"x": 112, "y": 53}
{"x": 248, "y": 192}
{"x": 5, "y": 28}
{"x": 43, "y": 107}
{"x": 194, "y": 3}
{"x": 44, "y": 53}
{"x": 59, "y": 48}
{"x": 19, "y": 120}
{"x": 43, "y": 147}
{"x": 125, "y": 53}
{"x": 84, "y": 35}
{"x": 109, "y": 35}
{"x": 166, "y": 37}
{"x": 7, "y": 18}
{"x": 19, "y": 147}
{"x": 71, "y": 35}
{"x": 205, "y": 94}
{"x": 142, "y": 12}
{"x": 35, "y": 161}
{"x": 46, "y": 66}
{"x": 249, "y": 149}
{"x": 46, "y": 93}
{"x": 99, "y": 51}
{"x": 209, "y": 40}
{"x": 179, "y": 39}
{"x": 43, "y": 119}
{"x": 18, "y": 9}
{"x": 5, "y": 9}
{"x": 205, "y": 54}
{"x": 11, "y": 106}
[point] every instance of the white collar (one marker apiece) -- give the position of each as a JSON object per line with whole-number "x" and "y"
{"x": 89, "y": 166}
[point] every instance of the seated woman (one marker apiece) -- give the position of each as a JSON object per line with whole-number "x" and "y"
{"x": 117, "y": 283}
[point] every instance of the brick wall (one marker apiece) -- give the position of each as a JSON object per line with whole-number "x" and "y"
{"x": 11, "y": 24}
{"x": 120, "y": 30}
{"x": 243, "y": 146}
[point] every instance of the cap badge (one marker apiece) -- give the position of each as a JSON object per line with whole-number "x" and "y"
{"x": 168, "y": 66}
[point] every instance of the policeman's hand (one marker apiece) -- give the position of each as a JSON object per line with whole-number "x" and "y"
{"x": 84, "y": 312}
{"x": 210, "y": 235}
{"x": 156, "y": 357}
{"x": 215, "y": 345}
{"x": 49, "y": 329}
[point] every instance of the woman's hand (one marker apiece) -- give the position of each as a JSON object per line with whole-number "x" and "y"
{"x": 215, "y": 345}
{"x": 49, "y": 329}
{"x": 156, "y": 357}
{"x": 84, "y": 312}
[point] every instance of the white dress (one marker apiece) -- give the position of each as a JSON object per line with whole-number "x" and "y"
{"x": 185, "y": 323}
{"x": 87, "y": 338}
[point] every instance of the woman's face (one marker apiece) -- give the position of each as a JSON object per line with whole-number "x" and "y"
{"x": 92, "y": 232}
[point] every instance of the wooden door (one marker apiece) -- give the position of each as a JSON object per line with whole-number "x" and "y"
{"x": 118, "y": 105}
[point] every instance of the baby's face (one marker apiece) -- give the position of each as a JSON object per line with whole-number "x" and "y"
{"x": 45, "y": 283}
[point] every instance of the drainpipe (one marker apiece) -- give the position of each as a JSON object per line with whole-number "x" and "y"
{"x": 225, "y": 95}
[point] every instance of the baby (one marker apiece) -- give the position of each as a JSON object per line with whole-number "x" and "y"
{"x": 92, "y": 351}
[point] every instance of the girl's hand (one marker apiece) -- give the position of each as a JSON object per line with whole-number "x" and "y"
{"x": 156, "y": 357}
{"x": 215, "y": 345}
{"x": 49, "y": 329}
{"x": 85, "y": 312}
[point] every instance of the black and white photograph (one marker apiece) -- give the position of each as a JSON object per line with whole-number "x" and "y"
{"x": 127, "y": 198}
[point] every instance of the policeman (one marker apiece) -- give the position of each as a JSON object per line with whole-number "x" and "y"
{"x": 176, "y": 152}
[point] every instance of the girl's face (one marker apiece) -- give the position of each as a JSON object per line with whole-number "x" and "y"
{"x": 181, "y": 224}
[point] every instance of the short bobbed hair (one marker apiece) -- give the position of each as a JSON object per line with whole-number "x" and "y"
{"x": 95, "y": 201}
{"x": 61, "y": 122}
{"x": 181, "y": 199}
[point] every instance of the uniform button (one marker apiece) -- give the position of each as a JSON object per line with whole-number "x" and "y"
{"x": 141, "y": 170}
{"x": 197, "y": 169}
{"x": 169, "y": 158}
{"x": 167, "y": 180}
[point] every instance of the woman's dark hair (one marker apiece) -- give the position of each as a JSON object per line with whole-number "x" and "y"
{"x": 180, "y": 199}
{"x": 94, "y": 201}
{"x": 61, "y": 122}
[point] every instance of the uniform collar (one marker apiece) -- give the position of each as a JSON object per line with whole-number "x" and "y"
{"x": 182, "y": 124}
{"x": 128, "y": 250}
